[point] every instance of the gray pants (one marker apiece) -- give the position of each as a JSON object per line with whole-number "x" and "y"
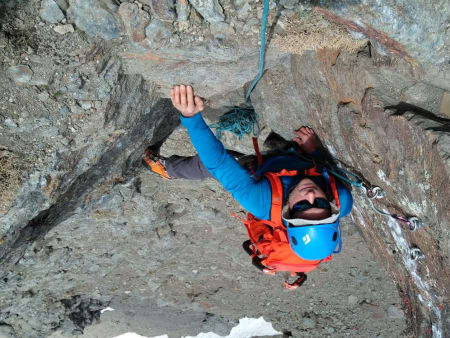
{"x": 188, "y": 167}
{"x": 192, "y": 168}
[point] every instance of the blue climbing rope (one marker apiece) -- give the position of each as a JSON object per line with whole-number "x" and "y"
{"x": 262, "y": 50}
{"x": 239, "y": 120}
{"x": 357, "y": 183}
{"x": 242, "y": 120}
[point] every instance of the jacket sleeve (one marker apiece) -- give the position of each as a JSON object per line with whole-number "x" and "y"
{"x": 254, "y": 196}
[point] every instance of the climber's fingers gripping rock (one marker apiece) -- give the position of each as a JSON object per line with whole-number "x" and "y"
{"x": 184, "y": 100}
{"x": 306, "y": 139}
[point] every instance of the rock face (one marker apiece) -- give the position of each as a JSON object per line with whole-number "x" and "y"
{"x": 412, "y": 27}
{"x": 84, "y": 227}
{"x": 402, "y": 148}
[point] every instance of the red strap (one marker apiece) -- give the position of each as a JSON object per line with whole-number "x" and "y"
{"x": 297, "y": 283}
{"x": 334, "y": 191}
{"x": 277, "y": 199}
{"x": 258, "y": 153}
{"x": 312, "y": 171}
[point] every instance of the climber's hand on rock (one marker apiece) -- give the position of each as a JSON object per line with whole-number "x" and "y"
{"x": 184, "y": 100}
{"x": 306, "y": 139}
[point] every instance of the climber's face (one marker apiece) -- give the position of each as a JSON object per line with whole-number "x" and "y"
{"x": 307, "y": 190}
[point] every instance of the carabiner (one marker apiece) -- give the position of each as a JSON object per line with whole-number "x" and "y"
{"x": 375, "y": 192}
{"x": 416, "y": 254}
{"x": 415, "y": 223}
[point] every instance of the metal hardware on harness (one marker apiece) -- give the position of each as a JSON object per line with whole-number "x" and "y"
{"x": 374, "y": 192}
{"x": 415, "y": 223}
{"x": 416, "y": 254}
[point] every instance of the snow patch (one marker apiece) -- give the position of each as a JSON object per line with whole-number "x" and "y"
{"x": 135, "y": 335}
{"x": 107, "y": 309}
{"x": 247, "y": 328}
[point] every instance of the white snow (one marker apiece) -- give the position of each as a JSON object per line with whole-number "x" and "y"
{"x": 106, "y": 309}
{"x": 135, "y": 335}
{"x": 247, "y": 328}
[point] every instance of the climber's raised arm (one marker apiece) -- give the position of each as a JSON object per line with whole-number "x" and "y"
{"x": 253, "y": 196}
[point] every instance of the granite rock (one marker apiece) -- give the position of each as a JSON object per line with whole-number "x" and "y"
{"x": 408, "y": 29}
{"x": 135, "y": 21}
{"x": 96, "y": 18}
{"x": 163, "y": 10}
{"x": 183, "y": 10}
{"x": 50, "y": 11}
{"x": 210, "y": 10}
{"x": 158, "y": 33}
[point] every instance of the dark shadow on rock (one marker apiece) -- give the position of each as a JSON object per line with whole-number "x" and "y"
{"x": 156, "y": 124}
{"x": 83, "y": 311}
{"x": 403, "y": 107}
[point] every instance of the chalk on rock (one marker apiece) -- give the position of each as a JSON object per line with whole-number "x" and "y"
{"x": 50, "y": 11}
{"x": 64, "y": 29}
{"x": 20, "y": 74}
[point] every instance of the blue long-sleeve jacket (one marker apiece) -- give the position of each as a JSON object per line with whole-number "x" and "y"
{"x": 254, "y": 195}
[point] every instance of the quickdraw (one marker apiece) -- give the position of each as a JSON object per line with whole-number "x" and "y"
{"x": 374, "y": 192}
{"x": 416, "y": 254}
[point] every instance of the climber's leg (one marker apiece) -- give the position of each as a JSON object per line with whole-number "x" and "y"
{"x": 187, "y": 167}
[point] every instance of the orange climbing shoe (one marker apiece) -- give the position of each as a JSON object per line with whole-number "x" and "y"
{"x": 155, "y": 163}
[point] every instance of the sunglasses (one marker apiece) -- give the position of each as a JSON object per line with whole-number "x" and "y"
{"x": 303, "y": 205}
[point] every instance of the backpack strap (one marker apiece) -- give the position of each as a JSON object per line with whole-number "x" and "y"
{"x": 332, "y": 183}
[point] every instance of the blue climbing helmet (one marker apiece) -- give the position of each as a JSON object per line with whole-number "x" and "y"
{"x": 318, "y": 239}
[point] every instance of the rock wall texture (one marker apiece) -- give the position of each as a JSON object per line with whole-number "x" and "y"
{"x": 83, "y": 226}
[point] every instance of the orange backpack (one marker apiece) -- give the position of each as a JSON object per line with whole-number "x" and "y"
{"x": 268, "y": 245}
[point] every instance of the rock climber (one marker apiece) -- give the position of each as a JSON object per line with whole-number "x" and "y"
{"x": 310, "y": 208}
